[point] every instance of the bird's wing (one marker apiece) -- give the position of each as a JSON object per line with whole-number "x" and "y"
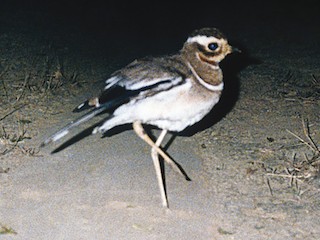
{"x": 138, "y": 80}
{"x": 145, "y": 75}
{"x": 146, "y": 72}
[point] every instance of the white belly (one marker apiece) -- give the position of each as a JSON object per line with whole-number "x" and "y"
{"x": 173, "y": 110}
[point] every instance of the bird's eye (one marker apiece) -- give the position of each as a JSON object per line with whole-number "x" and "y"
{"x": 213, "y": 46}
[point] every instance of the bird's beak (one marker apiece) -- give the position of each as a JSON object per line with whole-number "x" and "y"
{"x": 234, "y": 49}
{"x": 231, "y": 49}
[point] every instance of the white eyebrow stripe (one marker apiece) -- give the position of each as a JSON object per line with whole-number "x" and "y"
{"x": 203, "y": 83}
{"x": 203, "y": 40}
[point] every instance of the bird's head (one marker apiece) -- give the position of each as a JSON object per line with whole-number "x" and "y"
{"x": 209, "y": 45}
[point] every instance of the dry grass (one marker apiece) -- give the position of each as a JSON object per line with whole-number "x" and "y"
{"x": 302, "y": 168}
{"x": 11, "y": 141}
{"x": 316, "y": 83}
{"x": 295, "y": 88}
{"x": 300, "y": 172}
{"x": 27, "y": 86}
{"x": 6, "y": 230}
{"x": 23, "y": 80}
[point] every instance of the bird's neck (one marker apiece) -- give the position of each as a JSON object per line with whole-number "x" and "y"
{"x": 209, "y": 72}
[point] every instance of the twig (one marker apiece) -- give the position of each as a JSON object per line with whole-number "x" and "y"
{"x": 269, "y": 186}
{"x": 301, "y": 139}
{"x": 285, "y": 176}
{"x": 23, "y": 86}
{"x": 315, "y": 80}
{"x": 306, "y": 131}
{"x": 11, "y": 112}
{"x": 3, "y": 84}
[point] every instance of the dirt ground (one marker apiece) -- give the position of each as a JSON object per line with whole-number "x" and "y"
{"x": 254, "y": 160}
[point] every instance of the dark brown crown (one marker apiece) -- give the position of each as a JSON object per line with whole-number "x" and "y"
{"x": 209, "y": 32}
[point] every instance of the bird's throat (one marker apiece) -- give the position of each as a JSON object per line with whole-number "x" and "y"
{"x": 205, "y": 59}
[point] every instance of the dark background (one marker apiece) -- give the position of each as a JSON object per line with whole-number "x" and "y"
{"x": 163, "y": 26}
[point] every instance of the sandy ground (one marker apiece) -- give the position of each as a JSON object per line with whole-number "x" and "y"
{"x": 251, "y": 177}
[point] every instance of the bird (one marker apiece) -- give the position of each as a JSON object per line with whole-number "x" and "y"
{"x": 170, "y": 92}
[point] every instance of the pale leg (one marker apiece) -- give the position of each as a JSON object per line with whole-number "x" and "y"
{"x": 156, "y": 163}
{"x": 142, "y": 134}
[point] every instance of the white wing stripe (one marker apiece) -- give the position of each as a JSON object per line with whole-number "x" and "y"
{"x": 143, "y": 83}
{"x": 146, "y": 83}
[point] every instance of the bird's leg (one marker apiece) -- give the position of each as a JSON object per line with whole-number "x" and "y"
{"x": 156, "y": 163}
{"x": 137, "y": 126}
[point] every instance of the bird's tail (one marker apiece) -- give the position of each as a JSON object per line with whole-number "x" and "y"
{"x": 64, "y": 131}
{"x": 108, "y": 100}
